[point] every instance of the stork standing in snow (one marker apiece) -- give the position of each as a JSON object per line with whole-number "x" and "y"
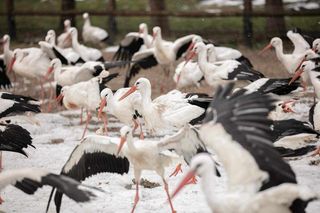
{"x": 257, "y": 176}
{"x": 29, "y": 180}
{"x": 86, "y": 94}
{"x": 105, "y": 154}
{"x": 166, "y": 111}
{"x": 92, "y": 34}
{"x": 125, "y": 110}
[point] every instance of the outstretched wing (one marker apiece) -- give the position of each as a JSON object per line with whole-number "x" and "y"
{"x": 244, "y": 118}
{"x": 131, "y": 44}
{"x": 95, "y": 154}
{"x": 185, "y": 142}
{"x": 142, "y": 60}
{"x": 14, "y": 138}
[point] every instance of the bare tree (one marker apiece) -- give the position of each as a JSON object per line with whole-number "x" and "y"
{"x": 163, "y": 22}
{"x": 275, "y": 24}
{"x": 68, "y": 5}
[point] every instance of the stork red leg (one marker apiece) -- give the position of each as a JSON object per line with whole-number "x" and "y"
{"x": 166, "y": 188}
{"x": 50, "y": 97}
{"x": 141, "y": 132}
{"x": 136, "y": 198}
{"x": 176, "y": 171}
{"x": 89, "y": 116}
{"x": 105, "y": 122}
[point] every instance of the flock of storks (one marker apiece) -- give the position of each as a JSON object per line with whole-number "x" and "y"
{"x": 236, "y": 129}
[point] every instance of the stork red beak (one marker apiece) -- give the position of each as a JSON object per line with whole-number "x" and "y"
{"x": 50, "y": 69}
{"x": 184, "y": 182}
{"x": 130, "y": 91}
{"x": 10, "y": 67}
{"x": 59, "y": 98}
{"x": 189, "y": 49}
{"x": 296, "y": 75}
{"x": 103, "y": 103}
{"x": 269, "y": 46}
{"x": 190, "y": 56}
{"x": 303, "y": 60}
{"x": 122, "y": 141}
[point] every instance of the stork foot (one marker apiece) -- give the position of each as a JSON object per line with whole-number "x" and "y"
{"x": 193, "y": 180}
{"x": 176, "y": 171}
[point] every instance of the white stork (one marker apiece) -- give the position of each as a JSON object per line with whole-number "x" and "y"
{"x": 236, "y": 128}
{"x": 92, "y": 34}
{"x": 86, "y": 53}
{"x": 224, "y": 70}
{"x": 63, "y": 40}
{"x": 164, "y": 53}
{"x": 85, "y": 94}
{"x": 166, "y": 111}
{"x": 105, "y": 154}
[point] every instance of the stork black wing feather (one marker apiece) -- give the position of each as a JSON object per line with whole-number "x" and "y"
{"x": 14, "y": 138}
{"x": 144, "y": 63}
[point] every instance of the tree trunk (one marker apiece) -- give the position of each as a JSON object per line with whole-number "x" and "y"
{"x": 247, "y": 23}
{"x": 10, "y": 18}
{"x": 163, "y": 22}
{"x": 112, "y": 23}
{"x": 275, "y": 24}
{"x": 65, "y": 6}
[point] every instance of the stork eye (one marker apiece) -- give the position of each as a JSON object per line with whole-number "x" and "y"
{"x": 137, "y": 83}
{"x": 303, "y": 66}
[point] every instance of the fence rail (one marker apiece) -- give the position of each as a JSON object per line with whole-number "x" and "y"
{"x": 185, "y": 14}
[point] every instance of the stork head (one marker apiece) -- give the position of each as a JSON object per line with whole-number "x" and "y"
{"x": 67, "y": 24}
{"x": 125, "y": 132}
{"x": 5, "y": 39}
{"x": 143, "y": 28}
{"x": 274, "y": 42}
{"x": 104, "y": 95}
{"x": 85, "y": 16}
{"x": 316, "y": 45}
{"x": 156, "y": 33}
{"x": 305, "y": 66}
{"x": 54, "y": 65}
{"x": 200, "y": 165}
{"x": 72, "y": 34}
{"x": 142, "y": 85}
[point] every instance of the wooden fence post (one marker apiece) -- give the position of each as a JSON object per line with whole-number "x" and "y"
{"x": 112, "y": 23}
{"x": 10, "y": 18}
{"x": 67, "y": 5}
{"x": 247, "y": 23}
{"x": 161, "y": 21}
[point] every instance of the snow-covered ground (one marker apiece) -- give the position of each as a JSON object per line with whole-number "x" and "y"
{"x": 118, "y": 197}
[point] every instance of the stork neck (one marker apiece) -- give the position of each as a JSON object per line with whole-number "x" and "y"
{"x": 207, "y": 181}
{"x": 315, "y": 82}
{"x": 146, "y": 95}
{"x": 212, "y": 57}
{"x": 130, "y": 143}
{"x": 57, "y": 72}
{"x": 87, "y": 22}
{"x": 6, "y": 47}
{"x": 75, "y": 42}
{"x": 279, "y": 51}
{"x": 110, "y": 103}
{"x": 203, "y": 60}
